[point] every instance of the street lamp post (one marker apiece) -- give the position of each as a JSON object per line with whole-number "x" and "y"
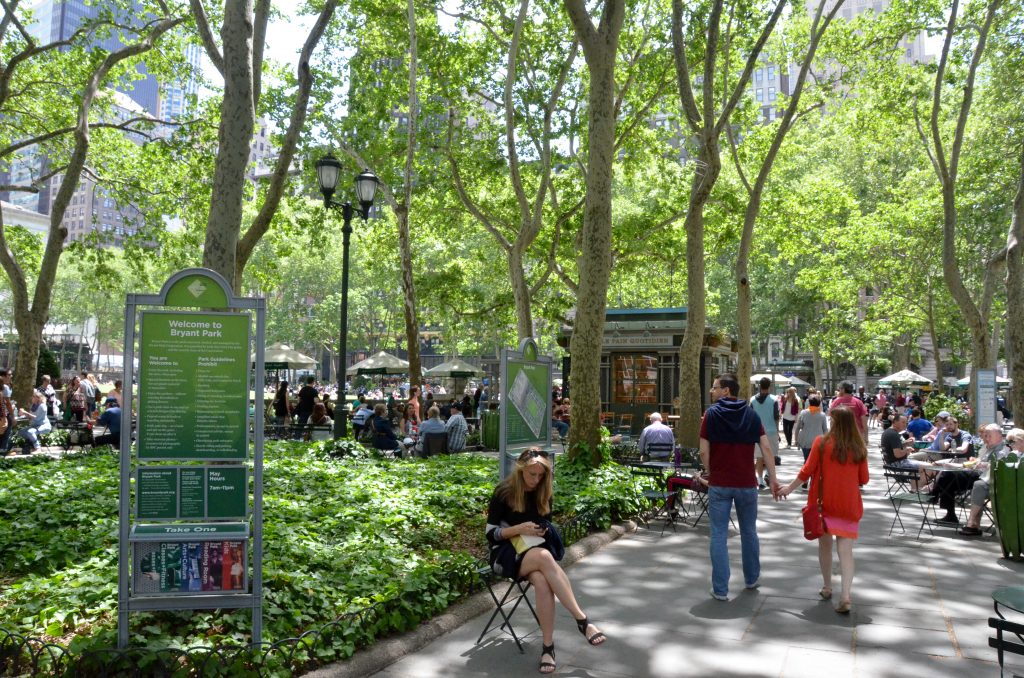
{"x": 327, "y": 171}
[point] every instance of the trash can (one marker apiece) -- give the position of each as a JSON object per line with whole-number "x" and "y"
{"x": 1007, "y": 499}
{"x": 490, "y": 420}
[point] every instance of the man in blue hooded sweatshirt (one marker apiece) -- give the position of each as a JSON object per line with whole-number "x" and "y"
{"x": 728, "y": 433}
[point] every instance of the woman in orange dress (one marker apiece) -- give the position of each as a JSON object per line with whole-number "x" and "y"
{"x": 844, "y": 468}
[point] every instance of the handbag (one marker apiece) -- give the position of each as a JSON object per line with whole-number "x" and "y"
{"x": 814, "y": 515}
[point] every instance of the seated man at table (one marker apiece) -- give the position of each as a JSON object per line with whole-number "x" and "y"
{"x": 950, "y": 483}
{"x": 361, "y": 418}
{"x": 457, "y": 428}
{"x": 918, "y": 425}
{"x": 433, "y": 424}
{"x": 936, "y": 438}
{"x": 111, "y": 418}
{"x": 957, "y": 441}
{"x": 384, "y": 437}
{"x": 656, "y": 433}
{"x": 994, "y": 450}
{"x": 896, "y": 449}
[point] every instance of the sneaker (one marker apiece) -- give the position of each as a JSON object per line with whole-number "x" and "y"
{"x": 950, "y": 521}
{"x": 969, "y": 531}
{"x": 718, "y": 597}
{"x": 756, "y": 584}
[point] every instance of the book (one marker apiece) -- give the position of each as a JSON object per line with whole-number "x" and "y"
{"x": 524, "y": 542}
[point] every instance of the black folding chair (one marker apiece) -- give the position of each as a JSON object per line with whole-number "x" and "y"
{"x": 920, "y": 499}
{"x": 654, "y": 451}
{"x": 1013, "y": 644}
{"x": 518, "y": 586}
{"x": 899, "y": 479}
{"x": 435, "y": 443}
{"x": 651, "y": 481}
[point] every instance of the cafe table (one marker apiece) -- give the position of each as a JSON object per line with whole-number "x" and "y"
{"x": 1009, "y": 597}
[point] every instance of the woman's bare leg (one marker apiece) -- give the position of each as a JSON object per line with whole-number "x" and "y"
{"x": 540, "y": 561}
{"x": 545, "y": 606}
{"x": 845, "y": 548}
{"x": 825, "y": 559}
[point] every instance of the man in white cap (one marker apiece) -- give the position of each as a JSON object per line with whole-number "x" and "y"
{"x": 657, "y": 433}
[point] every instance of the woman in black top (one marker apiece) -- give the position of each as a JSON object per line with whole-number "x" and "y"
{"x": 282, "y": 410}
{"x": 521, "y": 505}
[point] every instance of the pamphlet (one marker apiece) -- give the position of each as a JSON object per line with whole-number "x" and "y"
{"x": 525, "y": 542}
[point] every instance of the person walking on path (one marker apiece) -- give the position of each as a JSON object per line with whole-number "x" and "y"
{"x": 811, "y": 423}
{"x": 728, "y": 434}
{"x": 521, "y": 506}
{"x": 841, "y": 459}
{"x": 767, "y": 408}
{"x": 860, "y": 412}
{"x": 790, "y": 411}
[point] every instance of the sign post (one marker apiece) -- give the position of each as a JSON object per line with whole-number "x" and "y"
{"x": 186, "y": 539}
{"x": 525, "y": 419}
{"x": 984, "y": 382}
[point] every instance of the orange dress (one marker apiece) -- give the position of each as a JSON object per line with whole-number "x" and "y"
{"x": 841, "y": 501}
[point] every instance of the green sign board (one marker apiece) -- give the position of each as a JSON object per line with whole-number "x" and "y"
{"x": 197, "y": 291}
{"x": 192, "y": 492}
{"x": 529, "y": 387}
{"x": 186, "y": 532}
{"x": 193, "y": 385}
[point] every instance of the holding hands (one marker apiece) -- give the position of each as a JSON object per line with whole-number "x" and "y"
{"x": 785, "y": 490}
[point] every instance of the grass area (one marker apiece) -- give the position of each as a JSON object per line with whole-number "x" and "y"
{"x": 341, "y": 534}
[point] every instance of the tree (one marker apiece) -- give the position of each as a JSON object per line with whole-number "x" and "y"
{"x": 706, "y": 120}
{"x": 239, "y": 60}
{"x": 946, "y": 167}
{"x": 755, "y": 190}
{"x": 600, "y": 45}
{"x": 34, "y": 77}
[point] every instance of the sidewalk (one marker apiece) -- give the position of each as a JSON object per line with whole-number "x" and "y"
{"x": 920, "y": 607}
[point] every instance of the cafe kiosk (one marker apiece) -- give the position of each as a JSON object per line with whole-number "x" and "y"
{"x": 640, "y": 362}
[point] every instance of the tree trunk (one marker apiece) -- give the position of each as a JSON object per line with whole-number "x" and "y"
{"x": 234, "y": 138}
{"x": 1015, "y": 299}
{"x": 521, "y": 294}
{"x": 691, "y": 396}
{"x": 412, "y": 327}
{"x": 939, "y": 377}
{"x": 599, "y": 47}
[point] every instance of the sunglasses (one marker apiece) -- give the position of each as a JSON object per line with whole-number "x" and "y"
{"x": 532, "y": 454}
{"x": 1010, "y": 443}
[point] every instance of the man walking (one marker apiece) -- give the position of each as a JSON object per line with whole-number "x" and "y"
{"x": 767, "y": 408}
{"x": 728, "y": 434}
{"x": 847, "y": 399}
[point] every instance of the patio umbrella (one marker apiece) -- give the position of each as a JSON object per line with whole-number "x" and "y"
{"x": 797, "y": 381}
{"x": 778, "y": 378}
{"x": 903, "y": 379}
{"x": 379, "y": 363}
{"x": 1001, "y": 382}
{"x": 456, "y": 367}
{"x": 284, "y": 357}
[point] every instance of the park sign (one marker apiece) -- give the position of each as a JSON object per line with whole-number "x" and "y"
{"x": 181, "y": 543}
{"x": 525, "y": 414}
{"x": 984, "y": 383}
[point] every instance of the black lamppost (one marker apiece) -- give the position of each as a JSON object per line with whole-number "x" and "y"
{"x": 327, "y": 171}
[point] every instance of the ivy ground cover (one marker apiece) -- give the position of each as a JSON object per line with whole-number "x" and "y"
{"x": 341, "y": 534}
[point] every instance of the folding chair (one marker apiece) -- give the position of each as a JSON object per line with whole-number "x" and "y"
{"x": 899, "y": 479}
{"x": 1003, "y": 644}
{"x": 652, "y": 487}
{"x": 435, "y": 443}
{"x": 922, "y": 500}
{"x": 658, "y": 451}
{"x": 521, "y": 586}
{"x": 625, "y": 425}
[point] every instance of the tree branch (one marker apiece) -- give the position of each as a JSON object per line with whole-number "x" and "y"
{"x": 206, "y": 35}
{"x": 689, "y": 102}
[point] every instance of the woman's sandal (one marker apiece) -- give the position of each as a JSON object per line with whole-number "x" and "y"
{"x": 844, "y": 607}
{"x": 825, "y": 592}
{"x": 595, "y": 639}
{"x": 547, "y": 667}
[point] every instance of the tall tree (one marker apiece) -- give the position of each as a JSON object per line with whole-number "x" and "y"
{"x": 755, "y": 190}
{"x": 239, "y": 60}
{"x": 706, "y": 118}
{"x": 35, "y": 80}
{"x": 946, "y": 165}
{"x": 600, "y": 45}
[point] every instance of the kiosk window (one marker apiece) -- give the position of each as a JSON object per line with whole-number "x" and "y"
{"x": 635, "y": 379}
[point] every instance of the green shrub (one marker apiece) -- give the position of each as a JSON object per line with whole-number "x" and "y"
{"x": 938, "y": 402}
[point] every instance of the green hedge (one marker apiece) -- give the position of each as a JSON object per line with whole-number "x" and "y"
{"x": 343, "y": 530}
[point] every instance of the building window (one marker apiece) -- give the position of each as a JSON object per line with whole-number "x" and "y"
{"x": 635, "y": 379}
{"x": 771, "y": 94}
{"x": 759, "y": 75}
{"x": 771, "y": 72}
{"x": 760, "y": 94}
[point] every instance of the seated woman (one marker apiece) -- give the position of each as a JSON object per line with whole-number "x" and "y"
{"x": 37, "y": 426}
{"x": 521, "y": 505}
{"x": 317, "y": 421}
{"x": 384, "y": 437}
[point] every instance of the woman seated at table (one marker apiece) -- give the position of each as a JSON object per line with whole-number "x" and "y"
{"x": 319, "y": 425}
{"x": 38, "y": 424}
{"x": 384, "y": 437}
{"x": 521, "y": 505}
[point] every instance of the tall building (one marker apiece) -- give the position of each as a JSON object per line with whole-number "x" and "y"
{"x": 91, "y": 208}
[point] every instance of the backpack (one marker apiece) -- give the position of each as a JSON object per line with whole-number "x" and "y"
{"x": 77, "y": 402}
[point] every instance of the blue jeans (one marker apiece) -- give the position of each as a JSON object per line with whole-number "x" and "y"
{"x": 720, "y": 501}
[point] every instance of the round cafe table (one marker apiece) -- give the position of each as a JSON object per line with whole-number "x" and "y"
{"x": 1010, "y": 597}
